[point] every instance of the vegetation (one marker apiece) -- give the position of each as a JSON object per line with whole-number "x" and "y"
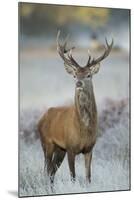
{"x": 110, "y": 167}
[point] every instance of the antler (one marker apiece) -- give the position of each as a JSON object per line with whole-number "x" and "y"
{"x": 104, "y": 55}
{"x": 69, "y": 60}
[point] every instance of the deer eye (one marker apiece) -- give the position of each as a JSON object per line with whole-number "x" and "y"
{"x": 88, "y": 75}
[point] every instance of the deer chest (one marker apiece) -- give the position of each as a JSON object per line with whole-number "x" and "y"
{"x": 83, "y": 144}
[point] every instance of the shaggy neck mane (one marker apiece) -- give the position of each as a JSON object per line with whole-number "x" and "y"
{"x": 85, "y": 105}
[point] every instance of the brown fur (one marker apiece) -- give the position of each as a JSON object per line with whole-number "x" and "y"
{"x": 69, "y": 129}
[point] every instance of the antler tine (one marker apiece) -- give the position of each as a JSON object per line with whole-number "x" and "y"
{"x": 110, "y": 44}
{"x": 57, "y": 40}
{"x": 72, "y": 59}
{"x": 62, "y": 51}
{"x": 102, "y": 57}
{"x": 89, "y": 58}
{"x": 65, "y": 44}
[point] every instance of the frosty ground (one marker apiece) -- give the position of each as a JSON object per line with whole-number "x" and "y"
{"x": 110, "y": 164}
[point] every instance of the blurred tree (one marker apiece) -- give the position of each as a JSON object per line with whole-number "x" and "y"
{"x": 37, "y": 14}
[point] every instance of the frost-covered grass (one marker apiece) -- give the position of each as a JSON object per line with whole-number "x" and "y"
{"x": 110, "y": 164}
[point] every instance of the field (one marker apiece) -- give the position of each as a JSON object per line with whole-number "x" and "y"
{"x": 44, "y": 84}
{"x": 110, "y": 166}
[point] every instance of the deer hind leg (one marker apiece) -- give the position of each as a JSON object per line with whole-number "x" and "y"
{"x": 71, "y": 162}
{"x": 45, "y": 159}
{"x": 88, "y": 158}
{"x": 48, "y": 153}
{"x": 56, "y": 162}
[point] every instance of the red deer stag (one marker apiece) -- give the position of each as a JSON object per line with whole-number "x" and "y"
{"x": 72, "y": 129}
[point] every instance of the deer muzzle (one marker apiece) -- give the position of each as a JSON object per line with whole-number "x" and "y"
{"x": 79, "y": 84}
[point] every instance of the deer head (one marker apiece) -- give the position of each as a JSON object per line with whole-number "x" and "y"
{"x": 82, "y": 74}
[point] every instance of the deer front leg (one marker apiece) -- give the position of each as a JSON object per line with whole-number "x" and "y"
{"x": 71, "y": 162}
{"x": 88, "y": 158}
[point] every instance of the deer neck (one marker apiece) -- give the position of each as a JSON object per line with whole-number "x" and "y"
{"x": 85, "y": 105}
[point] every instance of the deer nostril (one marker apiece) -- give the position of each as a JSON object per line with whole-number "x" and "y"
{"x": 79, "y": 84}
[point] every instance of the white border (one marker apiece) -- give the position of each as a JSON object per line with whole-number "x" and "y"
{"x": 100, "y": 3}
{"x": 9, "y": 97}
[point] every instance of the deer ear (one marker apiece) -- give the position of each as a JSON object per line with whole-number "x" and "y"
{"x": 69, "y": 69}
{"x": 95, "y": 68}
